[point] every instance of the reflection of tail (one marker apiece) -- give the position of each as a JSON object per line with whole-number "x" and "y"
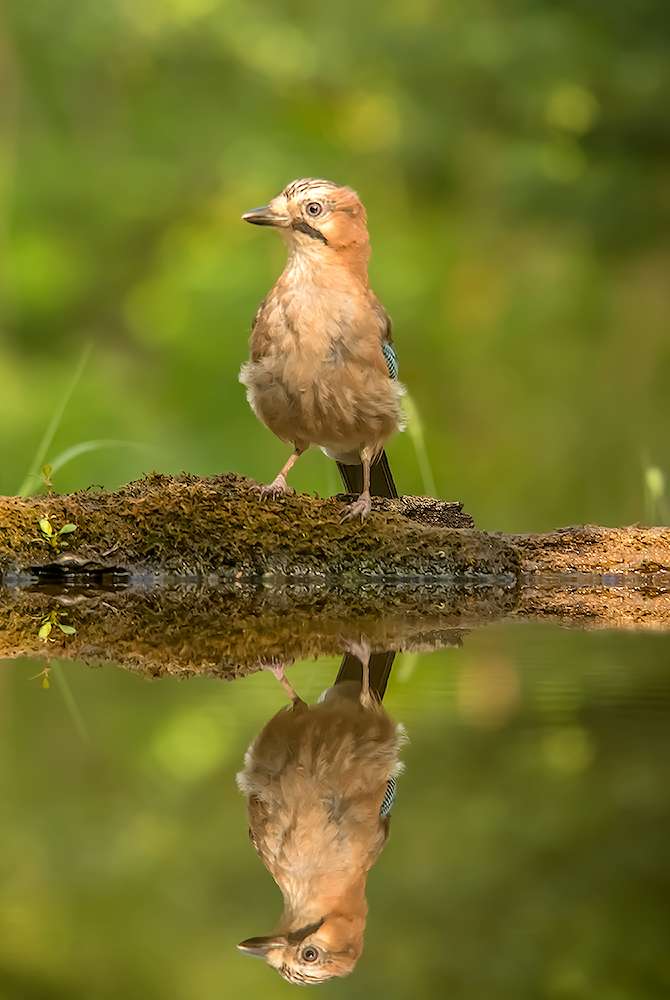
{"x": 381, "y": 478}
{"x": 351, "y": 669}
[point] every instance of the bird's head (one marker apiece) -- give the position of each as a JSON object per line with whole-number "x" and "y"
{"x": 312, "y": 954}
{"x": 312, "y": 214}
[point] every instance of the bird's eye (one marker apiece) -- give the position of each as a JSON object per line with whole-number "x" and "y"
{"x": 314, "y": 209}
{"x": 310, "y": 954}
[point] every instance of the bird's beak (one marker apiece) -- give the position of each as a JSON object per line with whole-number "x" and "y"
{"x": 260, "y": 946}
{"x": 266, "y": 216}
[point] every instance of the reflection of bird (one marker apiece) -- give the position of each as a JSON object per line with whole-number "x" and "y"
{"x": 320, "y": 780}
{"x": 322, "y": 368}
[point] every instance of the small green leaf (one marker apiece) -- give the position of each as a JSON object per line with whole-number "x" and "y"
{"x": 67, "y": 528}
{"x": 66, "y": 628}
{"x": 46, "y": 683}
{"x": 46, "y": 471}
{"x": 45, "y": 630}
{"x": 45, "y": 525}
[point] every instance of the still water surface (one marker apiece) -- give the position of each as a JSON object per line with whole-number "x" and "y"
{"x": 529, "y": 847}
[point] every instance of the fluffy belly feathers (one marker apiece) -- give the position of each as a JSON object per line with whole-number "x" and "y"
{"x": 341, "y": 406}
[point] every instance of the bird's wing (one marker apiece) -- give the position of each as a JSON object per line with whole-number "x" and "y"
{"x": 259, "y": 342}
{"x": 386, "y": 334}
{"x": 383, "y": 320}
{"x": 257, "y": 822}
{"x": 381, "y": 478}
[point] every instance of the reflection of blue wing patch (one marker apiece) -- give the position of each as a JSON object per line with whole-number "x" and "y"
{"x": 389, "y": 798}
{"x": 391, "y": 360}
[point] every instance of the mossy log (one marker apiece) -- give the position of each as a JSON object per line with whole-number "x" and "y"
{"x": 218, "y": 529}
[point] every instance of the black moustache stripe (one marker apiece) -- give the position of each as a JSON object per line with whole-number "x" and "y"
{"x": 304, "y": 227}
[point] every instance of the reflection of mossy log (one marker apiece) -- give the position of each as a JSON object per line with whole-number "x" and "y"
{"x": 229, "y": 630}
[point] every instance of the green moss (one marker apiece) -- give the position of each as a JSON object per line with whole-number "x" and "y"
{"x": 189, "y": 526}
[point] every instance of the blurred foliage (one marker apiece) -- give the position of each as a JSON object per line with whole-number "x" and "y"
{"x": 514, "y": 161}
{"x": 528, "y": 851}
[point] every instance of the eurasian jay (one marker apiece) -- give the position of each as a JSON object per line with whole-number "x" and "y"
{"x": 322, "y": 368}
{"x": 320, "y": 781}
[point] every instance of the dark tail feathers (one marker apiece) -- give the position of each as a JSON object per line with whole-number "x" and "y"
{"x": 380, "y": 670}
{"x": 381, "y": 479}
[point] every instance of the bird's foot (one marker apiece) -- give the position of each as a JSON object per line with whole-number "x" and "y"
{"x": 276, "y": 666}
{"x": 277, "y": 488}
{"x": 361, "y": 507}
{"x": 361, "y": 650}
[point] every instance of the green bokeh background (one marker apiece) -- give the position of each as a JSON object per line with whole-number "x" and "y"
{"x": 514, "y": 158}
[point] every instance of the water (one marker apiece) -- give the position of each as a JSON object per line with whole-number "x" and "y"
{"x": 528, "y": 850}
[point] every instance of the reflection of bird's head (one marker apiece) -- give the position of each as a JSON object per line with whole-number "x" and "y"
{"x": 313, "y": 214}
{"x": 312, "y": 954}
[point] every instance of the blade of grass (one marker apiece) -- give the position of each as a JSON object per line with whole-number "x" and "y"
{"x": 44, "y": 445}
{"x": 70, "y": 703}
{"x": 655, "y": 507}
{"x": 415, "y": 431}
{"x": 80, "y": 449}
{"x": 407, "y": 663}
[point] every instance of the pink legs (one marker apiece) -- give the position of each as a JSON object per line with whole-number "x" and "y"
{"x": 278, "y": 670}
{"x": 363, "y": 505}
{"x": 278, "y": 487}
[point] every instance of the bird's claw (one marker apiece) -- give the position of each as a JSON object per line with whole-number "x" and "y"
{"x": 361, "y": 507}
{"x": 361, "y": 650}
{"x": 275, "y": 665}
{"x": 277, "y": 488}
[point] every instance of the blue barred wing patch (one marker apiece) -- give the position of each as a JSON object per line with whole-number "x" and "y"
{"x": 389, "y": 799}
{"x": 391, "y": 360}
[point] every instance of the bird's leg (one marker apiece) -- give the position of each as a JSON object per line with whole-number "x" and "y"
{"x": 362, "y": 651}
{"x": 278, "y": 487}
{"x": 366, "y": 698}
{"x": 277, "y": 669}
{"x": 363, "y": 505}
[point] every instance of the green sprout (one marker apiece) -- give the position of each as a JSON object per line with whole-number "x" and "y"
{"x": 44, "y": 674}
{"x": 46, "y": 478}
{"x": 48, "y": 624}
{"x": 54, "y": 538}
{"x": 62, "y": 683}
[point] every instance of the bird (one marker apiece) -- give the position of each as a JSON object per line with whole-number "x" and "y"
{"x": 322, "y": 368}
{"x": 320, "y": 782}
